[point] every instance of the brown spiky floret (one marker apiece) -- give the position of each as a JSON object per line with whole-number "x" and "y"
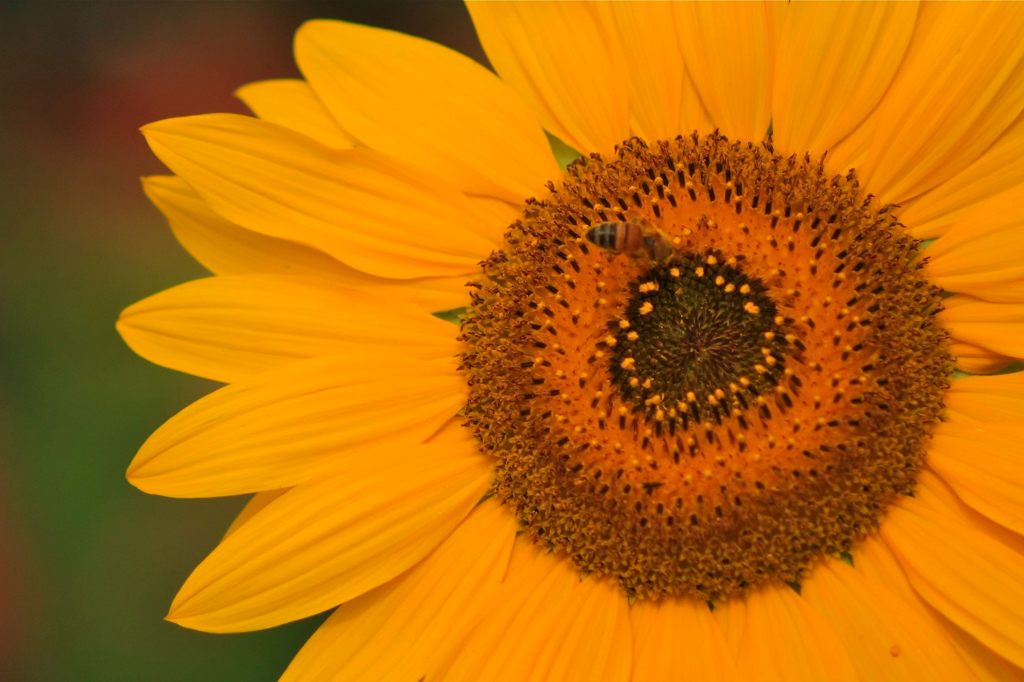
{"x": 721, "y": 419}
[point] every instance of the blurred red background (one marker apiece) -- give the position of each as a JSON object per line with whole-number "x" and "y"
{"x": 88, "y": 565}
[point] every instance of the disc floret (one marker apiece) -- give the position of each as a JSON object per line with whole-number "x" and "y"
{"x": 713, "y": 420}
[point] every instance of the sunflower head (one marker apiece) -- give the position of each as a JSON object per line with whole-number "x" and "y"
{"x": 706, "y": 419}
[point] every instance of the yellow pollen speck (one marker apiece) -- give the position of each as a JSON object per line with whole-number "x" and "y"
{"x": 602, "y": 301}
{"x": 719, "y": 281}
{"x": 770, "y": 360}
{"x": 653, "y": 400}
{"x": 707, "y": 473}
{"x": 623, "y": 411}
{"x": 745, "y": 289}
{"x": 601, "y": 286}
{"x": 646, "y": 307}
{"x": 628, "y": 364}
{"x": 632, "y": 336}
{"x": 720, "y": 393}
{"x": 623, "y": 324}
{"x": 691, "y": 396}
{"x": 700, "y": 272}
{"x": 687, "y": 231}
{"x": 674, "y": 271}
{"x": 711, "y": 260}
{"x": 760, "y": 369}
{"x": 634, "y": 382}
{"x": 647, "y": 382}
{"x": 611, "y": 340}
{"x": 779, "y": 319}
{"x": 729, "y": 288}
{"x": 559, "y": 373}
{"x": 745, "y": 381}
{"x": 751, "y": 308}
{"x": 769, "y": 335}
{"x": 599, "y": 354}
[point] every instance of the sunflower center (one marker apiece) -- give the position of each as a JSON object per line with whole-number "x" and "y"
{"x": 701, "y": 366}
{"x": 694, "y": 327}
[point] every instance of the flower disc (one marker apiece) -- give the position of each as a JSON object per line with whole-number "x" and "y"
{"x": 718, "y": 417}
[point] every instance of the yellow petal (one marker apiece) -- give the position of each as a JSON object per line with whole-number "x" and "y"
{"x": 256, "y": 503}
{"x": 959, "y": 87}
{"x": 993, "y": 399}
{"x": 834, "y": 62}
{"x": 227, "y": 249}
{"x": 333, "y": 540}
{"x": 290, "y": 102}
{"x": 978, "y": 360}
{"x": 731, "y": 617}
{"x": 429, "y": 105}
{"x": 933, "y": 489}
{"x": 556, "y": 57}
{"x": 984, "y": 464}
{"x": 729, "y": 54}
{"x": 393, "y": 632}
{"x": 784, "y": 639}
{"x": 998, "y": 327}
{"x": 678, "y": 634}
{"x": 968, "y": 576}
{"x": 368, "y": 210}
{"x": 873, "y": 560}
{"x": 853, "y": 149}
{"x": 228, "y": 328}
{"x": 998, "y": 169}
{"x": 525, "y": 552}
{"x": 885, "y": 637}
{"x": 548, "y": 624}
{"x": 285, "y": 426}
{"x": 983, "y": 253}
{"x": 662, "y": 98}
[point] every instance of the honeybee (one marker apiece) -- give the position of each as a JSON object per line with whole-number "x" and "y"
{"x": 635, "y": 238}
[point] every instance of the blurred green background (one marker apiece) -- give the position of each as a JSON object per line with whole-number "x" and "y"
{"x": 88, "y": 564}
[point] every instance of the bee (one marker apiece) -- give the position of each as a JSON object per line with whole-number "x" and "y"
{"x": 635, "y": 238}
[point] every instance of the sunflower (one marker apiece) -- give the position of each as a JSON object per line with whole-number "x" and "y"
{"x": 717, "y": 405}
